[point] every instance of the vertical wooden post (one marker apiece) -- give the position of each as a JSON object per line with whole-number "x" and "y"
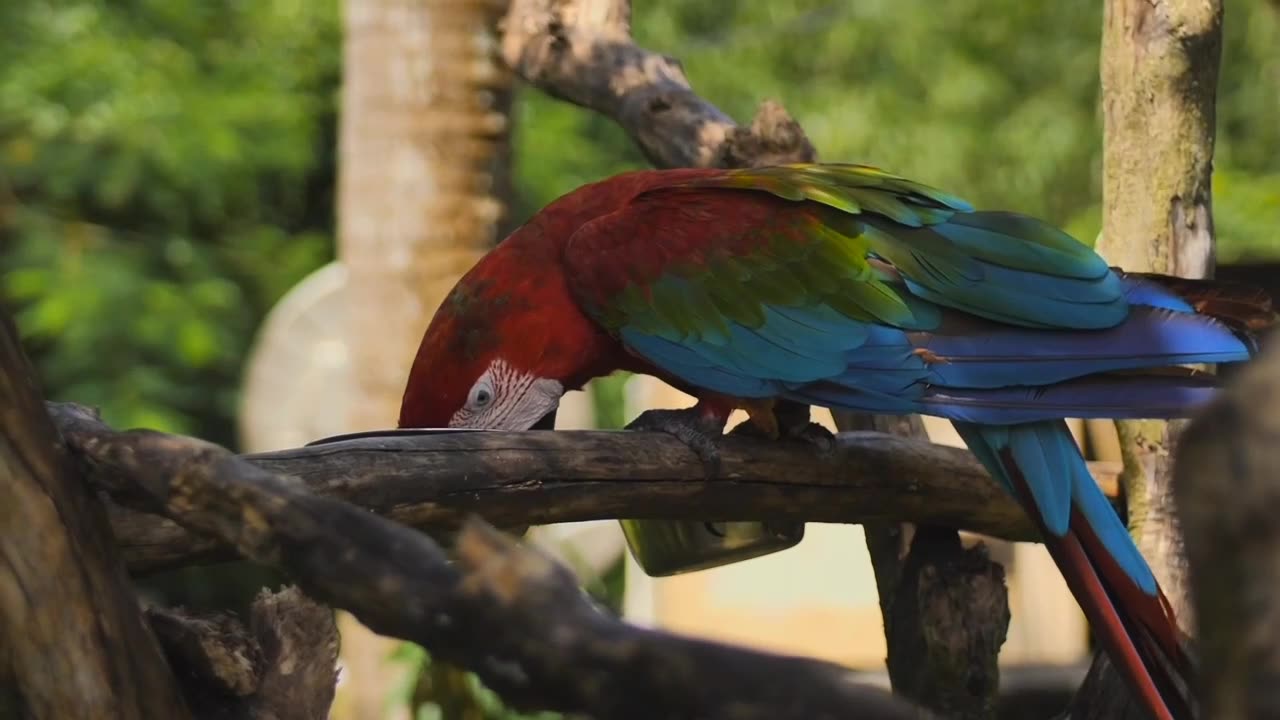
{"x": 1159, "y": 80}
{"x": 1159, "y": 72}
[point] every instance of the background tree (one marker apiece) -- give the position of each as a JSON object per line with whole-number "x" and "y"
{"x": 422, "y": 150}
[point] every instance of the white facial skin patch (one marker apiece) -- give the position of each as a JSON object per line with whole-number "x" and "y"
{"x": 504, "y": 398}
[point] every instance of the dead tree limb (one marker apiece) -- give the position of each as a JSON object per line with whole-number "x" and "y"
{"x": 436, "y": 481}
{"x": 945, "y": 606}
{"x": 71, "y": 630}
{"x": 1227, "y": 490}
{"x": 282, "y": 665}
{"x": 505, "y": 611}
{"x": 1159, "y": 72}
{"x": 581, "y": 51}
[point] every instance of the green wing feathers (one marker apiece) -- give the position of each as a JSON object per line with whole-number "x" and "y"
{"x": 853, "y": 189}
{"x": 684, "y": 257}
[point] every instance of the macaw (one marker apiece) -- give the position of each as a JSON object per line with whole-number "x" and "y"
{"x": 846, "y": 287}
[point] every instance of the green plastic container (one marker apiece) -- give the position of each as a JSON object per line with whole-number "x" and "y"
{"x": 672, "y": 547}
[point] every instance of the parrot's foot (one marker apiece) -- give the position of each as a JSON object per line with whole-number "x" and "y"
{"x": 810, "y": 433}
{"x": 813, "y": 434}
{"x": 691, "y": 426}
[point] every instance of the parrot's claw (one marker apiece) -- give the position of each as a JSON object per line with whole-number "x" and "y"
{"x": 691, "y": 427}
{"x": 815, "y": 435}
{"x": 809, "y": 433}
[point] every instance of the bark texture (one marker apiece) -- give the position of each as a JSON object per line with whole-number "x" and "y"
{"x": 1159, "y": 69}
{"x": 281, "y": 665}
{"x": 1228, "y": 499}
{"x": 423, "y": 132}
{"x": 72, "y": 635}
{"x": 945, "y": 607}
{"x": 581, "y": 51}
{"x": 435, "y": 481}
{"x": 506, "y": 611}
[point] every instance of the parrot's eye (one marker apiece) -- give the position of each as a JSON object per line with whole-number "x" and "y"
{"x": 481, "y": 395}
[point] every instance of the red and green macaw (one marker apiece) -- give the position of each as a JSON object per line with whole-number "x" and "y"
{"x": 846, "y": 287}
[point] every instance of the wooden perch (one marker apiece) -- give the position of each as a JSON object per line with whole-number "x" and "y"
{"x": 945, "y": 606}
{"x": 503, "y": 610}
{"x": 436, "y": 481}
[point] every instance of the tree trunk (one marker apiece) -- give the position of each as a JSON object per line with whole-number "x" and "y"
{"x": 1159, "y": 79}
{"x": 420, "y": 140}
{"x": 945, "y": 607}
{"x": 72, "y": 635}
{"x": 423, "y": 143}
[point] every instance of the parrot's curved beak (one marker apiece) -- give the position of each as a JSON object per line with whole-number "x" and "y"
{"x": 548, "y": 422}
{"x": 390, "y": 432}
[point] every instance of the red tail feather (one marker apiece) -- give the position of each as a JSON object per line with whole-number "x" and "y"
{"x": 1138, "y": 631}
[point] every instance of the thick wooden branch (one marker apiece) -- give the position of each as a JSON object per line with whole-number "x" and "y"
{"x": 72, "y": 634}
{"x": 282, "y": 665}
{"x": 436, "y": 481}
{"x": 507, "y": 612}
{"x": 581, "y": 51}
{"x": 1227, "y": 489}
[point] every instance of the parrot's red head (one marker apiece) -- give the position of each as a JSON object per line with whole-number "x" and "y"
{"x": 505, "y": 344}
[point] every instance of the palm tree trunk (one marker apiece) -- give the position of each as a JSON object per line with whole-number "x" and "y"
{"x": 422, "y": 147}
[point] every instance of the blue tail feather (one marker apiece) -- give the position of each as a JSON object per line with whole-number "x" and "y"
{"x": 1058, "y": 479}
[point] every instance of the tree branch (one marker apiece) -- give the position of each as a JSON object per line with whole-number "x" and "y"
{"x": 436, "y": 481}
{"x": 581, "y": 51}
{"x": 282, "y": 666}
{"x": 508, "y": 612}
{"x": 71, "y": 631}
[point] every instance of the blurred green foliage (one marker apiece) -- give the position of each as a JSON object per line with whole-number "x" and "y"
{"x": 167, "y": 167}
{"x": 166, "y": 173}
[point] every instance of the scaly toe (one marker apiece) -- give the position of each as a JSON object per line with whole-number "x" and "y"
{"x": 815, "y": 435}
{"x": 690, "y": 427}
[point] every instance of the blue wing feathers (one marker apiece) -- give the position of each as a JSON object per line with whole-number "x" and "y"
{"x": 980, "y": 355}
{"x": 1052, "y": 252}
{"x": 1012, "y": 326}
{"x": 1140, "y": 291}
{"x": 1097, "y": 396}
